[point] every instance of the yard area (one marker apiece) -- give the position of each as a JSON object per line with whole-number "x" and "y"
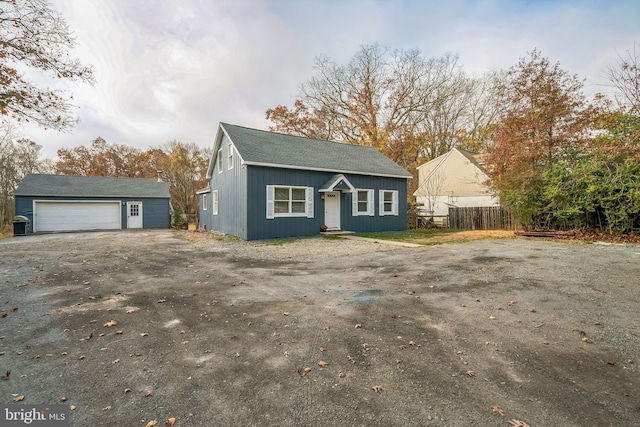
{"x": 132, "y": 327}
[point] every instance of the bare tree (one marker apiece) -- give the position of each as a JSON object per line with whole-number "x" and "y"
{"x": 18, "y": 157}
{"x": 34, "y": 35}
{"x": 407, "y": 106}
{"x": 625, "y": 77}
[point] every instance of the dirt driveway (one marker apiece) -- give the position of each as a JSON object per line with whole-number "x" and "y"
{"x": 319, "y": 332}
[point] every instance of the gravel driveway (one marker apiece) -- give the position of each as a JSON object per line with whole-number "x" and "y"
{"x": 132, "y": 327}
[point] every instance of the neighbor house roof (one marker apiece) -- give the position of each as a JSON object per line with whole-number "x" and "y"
{"x": 90, "y": 186}
{"x": 262, "y": 148}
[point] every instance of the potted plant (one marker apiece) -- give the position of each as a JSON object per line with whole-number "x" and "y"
{"x": 323, "y": 228}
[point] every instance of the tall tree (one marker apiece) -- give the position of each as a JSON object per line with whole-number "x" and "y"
{"x": 35, "y": 36}
{"x": 18, "y": 157}
{"x": 409, "y": 107}
{"x": 546, "y": 120}
{"x": 185, "y": 171}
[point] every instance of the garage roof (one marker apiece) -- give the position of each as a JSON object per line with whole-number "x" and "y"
{"x": 90, "y": 186}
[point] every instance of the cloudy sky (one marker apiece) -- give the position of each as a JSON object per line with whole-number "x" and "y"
{"x": 169, "y": 69}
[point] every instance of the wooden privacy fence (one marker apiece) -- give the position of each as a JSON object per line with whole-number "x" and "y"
{"x": 481, "y": 218}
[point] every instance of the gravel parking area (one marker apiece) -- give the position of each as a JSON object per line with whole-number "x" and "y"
{"x": 199, "y": 330}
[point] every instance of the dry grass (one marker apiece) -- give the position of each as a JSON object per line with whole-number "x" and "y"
{"x": 465, "y": 236}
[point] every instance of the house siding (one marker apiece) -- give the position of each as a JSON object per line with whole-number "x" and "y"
{"x": 262, "y": 228}
{"x": 155, "y": 211}
{"x": 232, "y": 196}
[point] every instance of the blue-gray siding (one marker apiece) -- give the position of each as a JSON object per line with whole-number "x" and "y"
{"x": 232, "y": 196}
{"x": 155, "y": 211}
{"x": 262, "y": 228}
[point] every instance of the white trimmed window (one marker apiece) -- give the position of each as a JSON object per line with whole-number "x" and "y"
{"x": 362, "y": 202}
{"x": 219, "y": 160}
{"x": 214, "y": 202}
{"x": 285, "y": 201}
{"x": 230, "y": 156}
{"x": 388, "y": 202}
{"x": 204, "y": 202}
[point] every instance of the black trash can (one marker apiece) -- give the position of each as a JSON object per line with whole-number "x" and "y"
{"x": 21, "y": 225}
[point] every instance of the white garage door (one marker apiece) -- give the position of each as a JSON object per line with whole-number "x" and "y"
{"x": 71, "y": 216}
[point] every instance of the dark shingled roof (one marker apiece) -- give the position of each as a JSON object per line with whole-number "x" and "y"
{"x": 90, "y": 186}
{"x": 260, "y": 147}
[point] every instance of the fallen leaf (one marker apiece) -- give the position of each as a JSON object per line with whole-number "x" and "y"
{"x": 106, "y": 408}
{"x": 131, "y": 310}
{"x": 341, "y": 374}
{"x": 492, "y": 318}
{"x": 91, "y": 297}
{"x": 19, "y": 398}
{"x": 585, "y": 339}
{"x": 82, "y": 357}
{"x": 286, "y": 313}
{"x": 412, "y": 343}
{"x": 304, "y": 371}
{"x": 127, "y": 390}
{"x": 144, "y": 334}
{"x": 72, "y": 407}
{"x": 323, "y": 363}
{"x": 160, "y": 301}
{"x": 377, "y": 388}
{"x": 118, "y": 332}
{"x": 116, "y": 361}
{"x": 63, "y": 399}
{"x": 358, "y": 325}
{"x": 471, "y": 373}
{"x": 171, "y": 421}
{"x": 149, "y": 393}
{"x": 15, "y": 309}
{"x": 86, "y": 282}
{"x": 459, "y": 352}
{"x": 496, "y": 408}
{"x": 6, "y": 377}
{"x": 4, "y": 315}
{"x": 518, "y": 423}
{"x": 151, "y": 423}
{"x": 512, "y": 302}
{"x": 110, "y": 323}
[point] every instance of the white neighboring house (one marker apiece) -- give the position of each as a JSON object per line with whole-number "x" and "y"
{"x": 456, "y": 179}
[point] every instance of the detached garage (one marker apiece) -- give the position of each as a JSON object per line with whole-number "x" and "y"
{"x": 78, "y": 203}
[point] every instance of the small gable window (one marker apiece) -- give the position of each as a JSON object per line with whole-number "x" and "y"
{"x": 363, "y": 202}
{"x": 289, "y": 201}
{"x": 230, "y": 156}
{"x": 388, "y": 202}
{"x": 219, "y": 160}
{"x": 214, "y": 202}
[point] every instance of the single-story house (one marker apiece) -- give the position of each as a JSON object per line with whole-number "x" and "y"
{"x": 265, "y": 185}
{"x": 454, "y": 179}
{"x": 76, "y": 203}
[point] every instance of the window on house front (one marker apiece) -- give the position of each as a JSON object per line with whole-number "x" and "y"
{"x": 363, "y": 202}
{"x": 214, "y": 202}
{"x": 289, "y": 201}
{"x": 219, "y": 160}
{"x": 388, "y": 202}
{"x": 230, "y": 157}
{"x": 204, "y": 202}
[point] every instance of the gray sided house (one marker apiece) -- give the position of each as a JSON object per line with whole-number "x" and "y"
{"x": 77, "y": 203}
{"x": 266, "y": 185}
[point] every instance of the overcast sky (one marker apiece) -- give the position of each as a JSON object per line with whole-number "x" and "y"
{"x": 174, "y": 69}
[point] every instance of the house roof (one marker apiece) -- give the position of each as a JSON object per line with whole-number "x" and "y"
{"x": 90, "y": 186}
{"x": 262, "y": 148}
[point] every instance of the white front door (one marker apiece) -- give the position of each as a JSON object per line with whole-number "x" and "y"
{"x": 332, "y": 210}
{"x": 134, "y": 214}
